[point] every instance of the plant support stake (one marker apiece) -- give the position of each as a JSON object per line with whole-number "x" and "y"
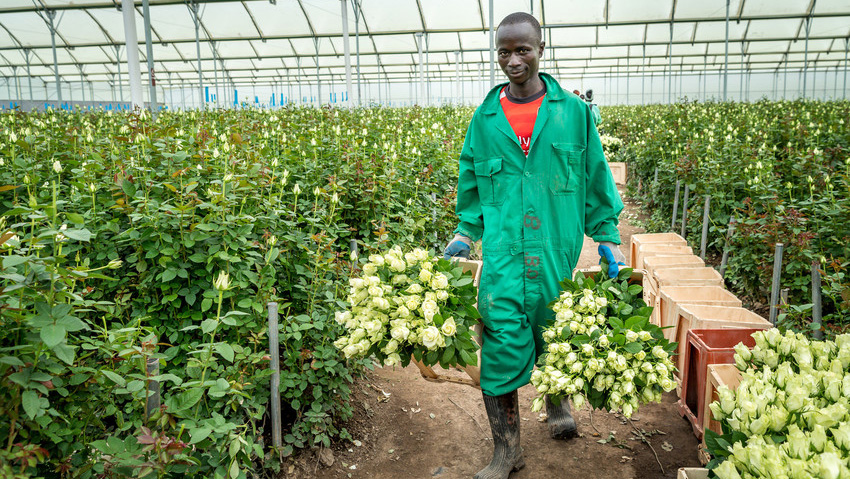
{"x": 685, "y": 214}
{"x": 774, "y": 288}
{"x": 675, "y": 206}
{"x": 275, "y": 364}
{"x": 153, "y": 400}
{"x": 817, "y": 318}
{"x": 702, "y": 244}
{"x": 729, "y": 232}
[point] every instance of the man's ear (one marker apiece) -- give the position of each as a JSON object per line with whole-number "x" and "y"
{"x": 542, "y": 44}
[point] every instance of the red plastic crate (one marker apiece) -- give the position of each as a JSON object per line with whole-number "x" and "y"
{"x": 706, "y": 346}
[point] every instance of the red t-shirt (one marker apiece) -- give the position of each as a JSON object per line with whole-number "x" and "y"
{"x": 521, "y": 114}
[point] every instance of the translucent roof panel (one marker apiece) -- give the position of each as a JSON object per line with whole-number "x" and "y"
{"x": 621, "y": 34}
{"x": 392, "y": 15}
{"x": 637, "y": 10}
{"x": 283, "y": 19}
{"x": 564, "y": 37}
{"x": 835, "y": 26}
{"x": 785, "y": 28}
{"x": 463, "y": 14}
{"x": 27, "y": 28}
{"x": 575, "y": 11}
{"x": 326, "y": 17}
{"x": 707, "y": 9}
{"x": 774, "y": 7}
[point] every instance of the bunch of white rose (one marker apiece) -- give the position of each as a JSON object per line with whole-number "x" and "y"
{"x": 610, "y": 144}
{"x": 616, "y": 365}
{"x": 790, "y": 415}
{"x": 409, "y": 301}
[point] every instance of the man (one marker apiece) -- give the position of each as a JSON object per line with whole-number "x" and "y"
{"x": 532, "y": 182}
{"x": 594, "y": 109}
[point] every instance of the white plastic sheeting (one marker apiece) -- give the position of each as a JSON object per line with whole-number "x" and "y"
{"x": 280, "y": 41}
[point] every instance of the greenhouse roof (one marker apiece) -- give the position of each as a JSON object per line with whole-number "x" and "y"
{"x": 262, "y": 41}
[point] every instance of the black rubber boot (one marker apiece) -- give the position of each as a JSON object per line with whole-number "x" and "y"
{"x": 561, "y": 422}
{"x": 503, "y": 413}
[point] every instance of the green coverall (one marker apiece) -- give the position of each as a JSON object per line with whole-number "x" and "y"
{"x": 594, "y": 112}
{"x": 532, "y": 214}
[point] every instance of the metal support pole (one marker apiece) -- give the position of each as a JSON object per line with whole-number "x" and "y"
{"x": 457, "y": 74}
{"x": 27, "y": 52}
{"x": 685, "y": 213}
{"x": 215, "y": 71}
{"x": 51, "y": 14}
{"x": 726, "y": 54}
{"x": 643, "y": 79}
{"x": 704, "y": 240}
{"x": 669, "y": 67}
{"x": 492, "y": 47}
{"x": 421, "y": 70}
{"x": 131, "y": 43}
{"x": 729, "y": 232}
{"x": 774, "y": 289}
{"x": 675, "y": 205}
{"x": 357, "y": 45}
{"x": 318, "y": 81}
{"x": 806, "y": 55}
{"x": 17, "y": 83}
{"x": 149, "y": 49}
{"x": 346, "y": 49}
{"x": 118, "y": 64}
{"x": 846, "y": 45}
{"x": 193, "y": 10}
{"x": 817, "y": 309}
{"x": 628, "y": 75}
{"x": 82, "y": 82}
{"x": 274, "y": 344}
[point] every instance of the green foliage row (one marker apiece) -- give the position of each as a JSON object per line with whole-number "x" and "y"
{"x": 782, "y": 169}
{"x": 130, "y": 243}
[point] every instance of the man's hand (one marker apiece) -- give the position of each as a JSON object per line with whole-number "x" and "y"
{"x": 459, "y": 246}
{"x": 611, "y": 253}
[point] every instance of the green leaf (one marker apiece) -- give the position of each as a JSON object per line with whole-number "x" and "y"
{"x": 234, "y": 469}
{"x": 78, "y": 234}
{"x": 448, "y": 354}
{"x": 199, "y": 434}
{"x": 75, "y": 218}
{"x": 633, "y": 348}
{"x": 64, "y": 352}
{"x": 128, "y": 188}
{"x": 31, "y": 403}
{"x": 225, "y": 350}
{"x": 635, "y": 289}
{"x": 13, "y": 260}
{"x": 168, "y": 275}
{"x": 52, "y": 334}
{"x": 189, "y": 398}
{"x": 209, "y": 325}
{"x": 114, "y": 377}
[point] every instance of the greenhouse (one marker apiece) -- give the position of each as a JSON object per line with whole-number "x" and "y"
{"x": 424, "y": 238}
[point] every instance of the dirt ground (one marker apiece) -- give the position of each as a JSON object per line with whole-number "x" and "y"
{"x": 406, "y": 427}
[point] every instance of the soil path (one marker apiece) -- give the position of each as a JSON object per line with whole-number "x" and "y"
{"x": 406, "y": 427}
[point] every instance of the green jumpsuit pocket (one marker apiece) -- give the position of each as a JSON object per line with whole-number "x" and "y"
{"x": 565, "y": 171}
{"x": 490, "y": 183}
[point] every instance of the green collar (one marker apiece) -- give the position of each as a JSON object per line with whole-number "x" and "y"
{"x": 554, "y": 92}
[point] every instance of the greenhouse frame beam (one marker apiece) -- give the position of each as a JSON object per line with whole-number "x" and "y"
{"x": 128, "y": 14}
{"x": 146, "y": 13}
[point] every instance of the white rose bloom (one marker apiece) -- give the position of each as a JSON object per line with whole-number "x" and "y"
{"x": 392, "y": 359}
{"x": 375, "y": 291}
{"x": 373, "y": 327}
{"x": 414, "y": 288}
{"x": 424, "y": 275}
{"x": 440, "y": 281}
{"x": 601, "y": 302}
{"x": 400, "y": 279}
{"x": 402, "y": 311}
{"x": 391, "y": 347}
{"x": 377, "y": 259}
{"x": 397, "y": 265}
{"x": 356, "y": 283}
{"x": 342, "y": 316}
{"x": 645, "y": 335}
{"x": 400, "y": 333}
{"x": 430, "y": 295}
{"x": 631, "y": 336}
{"x": 350, "y": 351}
{"x": 431, "y": 337}
{"x": 449, "y": 327}
{"x": 410, "y": 259}
{"x": 370, "y": 268}
{"x": 373, "y": 280}
{"x": 442, "y": 295}
{"x": 412, "y": 303}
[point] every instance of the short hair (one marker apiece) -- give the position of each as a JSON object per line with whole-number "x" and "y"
{"x": 522, "y": 17}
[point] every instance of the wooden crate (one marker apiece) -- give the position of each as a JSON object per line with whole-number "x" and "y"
{"x": 671, "y": 297}
{"x": 661, "y": 261}
{"x": 718, "y": 375}
{"x": 647, "y": 238}
{"x": 698, "y": 276}
{"x": 654, "y": 249}
{"x": 474, "y": 372}
{"x": 618, "y": 171}
{"x": 700, "y": 316}
{"x": 692, "y": 473}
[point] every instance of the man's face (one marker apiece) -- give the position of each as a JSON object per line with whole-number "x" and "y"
{"x": 519, "y": 50}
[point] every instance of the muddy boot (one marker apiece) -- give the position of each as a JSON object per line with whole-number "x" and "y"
{"x": 561, "y": 422}
{"x": 503, "y": 413}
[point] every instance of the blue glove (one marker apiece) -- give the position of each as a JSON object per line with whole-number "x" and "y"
{"x": 458, "y": 247}
{"x": 612, "y": 254}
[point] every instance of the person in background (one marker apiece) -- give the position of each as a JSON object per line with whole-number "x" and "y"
{"x": 594, "y": 109}
{"x": 532, "y": 182}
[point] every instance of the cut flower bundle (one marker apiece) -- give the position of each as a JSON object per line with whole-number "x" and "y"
{"x": 602, "y": 347}
{"x": 790, "y": 415}
{"x": 410, "y": 304}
